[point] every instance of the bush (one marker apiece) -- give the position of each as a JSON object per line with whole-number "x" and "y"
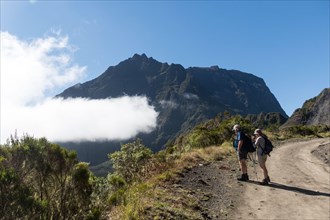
{"x": 212, "y": 132}
{"x": 130, "y": 161}
{"x": 305, "y": 130}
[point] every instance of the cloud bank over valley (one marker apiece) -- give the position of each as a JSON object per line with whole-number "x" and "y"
{"x": 31, "y": 74}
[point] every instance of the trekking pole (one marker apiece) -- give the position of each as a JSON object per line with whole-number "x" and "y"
{"x": 254, "y": 162}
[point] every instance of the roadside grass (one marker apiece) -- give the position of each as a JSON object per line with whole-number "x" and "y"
{"x": 159, "y": 196}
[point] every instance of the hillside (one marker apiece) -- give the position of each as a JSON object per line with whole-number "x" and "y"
{"x": 314, "y": 111}
{"x": 183, "y": 97}
{"x": 39, "y": 178}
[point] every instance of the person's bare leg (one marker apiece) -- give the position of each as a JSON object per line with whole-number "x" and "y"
{"x": 243, "y": 166}
{"x": 263, "y": 167}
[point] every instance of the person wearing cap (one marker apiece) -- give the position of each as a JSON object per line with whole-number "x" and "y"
{"x": 259, "y": 143}
{"x": 241, "y": 152}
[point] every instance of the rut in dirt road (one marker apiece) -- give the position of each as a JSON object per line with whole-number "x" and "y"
{"x": 300, "y": 187}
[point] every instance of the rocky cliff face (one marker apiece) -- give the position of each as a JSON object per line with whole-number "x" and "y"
{"x": 183, "y": 97}
{"x": 315, "y": 111}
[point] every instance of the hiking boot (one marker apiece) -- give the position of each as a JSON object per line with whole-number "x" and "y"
{"x": 265, "y": 181}
{"x": 244, "y": 177}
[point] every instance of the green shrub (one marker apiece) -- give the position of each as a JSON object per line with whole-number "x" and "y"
{"x": 39, "y": 179}
{"x": 117, "y": 197}
{"x": 212, "y": 132}
{"x": 130, "y": 161}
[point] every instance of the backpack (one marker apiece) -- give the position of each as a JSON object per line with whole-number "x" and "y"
{"x": 247, "y": 144}
{"x": 268, "y": 146}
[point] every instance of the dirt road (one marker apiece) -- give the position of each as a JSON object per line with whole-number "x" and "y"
{"x": 299, "y": 189}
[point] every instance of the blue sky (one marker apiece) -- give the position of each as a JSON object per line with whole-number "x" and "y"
{"x": 284, "y": 42}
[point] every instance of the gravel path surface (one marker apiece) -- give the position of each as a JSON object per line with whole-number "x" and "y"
{"x": 300, "y": 187}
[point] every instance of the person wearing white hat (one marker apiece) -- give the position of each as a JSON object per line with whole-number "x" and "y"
{"x": 241, "y": 152}
{"x": 262, "y": 157}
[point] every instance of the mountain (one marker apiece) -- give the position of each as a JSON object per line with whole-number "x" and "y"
{"x": 182, "y": 96}
{"x": 315, "y": 111}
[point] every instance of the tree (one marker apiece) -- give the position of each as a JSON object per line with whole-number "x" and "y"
{"x": 42, "y": 180}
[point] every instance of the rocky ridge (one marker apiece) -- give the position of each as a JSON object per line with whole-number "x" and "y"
{"x": 314, "y": 111}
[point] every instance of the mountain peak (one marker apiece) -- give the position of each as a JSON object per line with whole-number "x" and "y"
{"x": 140, "y": 57}
{"x": 143, "y": 59}
{"x": 215, "y": 67}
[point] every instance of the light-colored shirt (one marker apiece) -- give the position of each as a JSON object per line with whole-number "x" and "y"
{"x": 260, "y": 145}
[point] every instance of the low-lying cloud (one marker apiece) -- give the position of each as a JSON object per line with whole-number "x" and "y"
{"x": 168, "y": 104}
{"x": 82, "y": 119}
{"x": 190, "y": 96}
{"x": 32, "y": 71}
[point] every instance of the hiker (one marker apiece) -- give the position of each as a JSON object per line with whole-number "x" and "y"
{"x": 241, "y": 152}
{"x": 259, "y": 142}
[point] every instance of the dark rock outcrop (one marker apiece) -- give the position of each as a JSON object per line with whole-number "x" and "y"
{"x": 315, "y": 111}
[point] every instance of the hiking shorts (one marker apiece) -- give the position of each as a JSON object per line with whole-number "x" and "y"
{"x": 262, "y": 158}
{"x": 242, "y": 155}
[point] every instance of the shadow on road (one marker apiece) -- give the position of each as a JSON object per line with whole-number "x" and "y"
{"x": 292, "y": 188}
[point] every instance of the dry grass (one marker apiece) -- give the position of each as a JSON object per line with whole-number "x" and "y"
{"x": 156, "y": 198}
{"x": 212, "y": 153}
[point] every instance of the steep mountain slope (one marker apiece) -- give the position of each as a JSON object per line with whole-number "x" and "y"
{"x": 315, "y": 111}
{"x": 183, "y": 97}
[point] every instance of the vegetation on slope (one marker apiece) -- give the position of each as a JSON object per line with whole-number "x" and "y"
{"x": 41, "y": 180}
{"x": 154, "y": 195}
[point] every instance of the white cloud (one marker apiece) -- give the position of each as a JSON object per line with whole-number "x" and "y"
{"x": 190, "y": 96}
{"x": 83, "y": 119}
{"x": 32, "y": 71}
{"x": 168, "y": 104}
